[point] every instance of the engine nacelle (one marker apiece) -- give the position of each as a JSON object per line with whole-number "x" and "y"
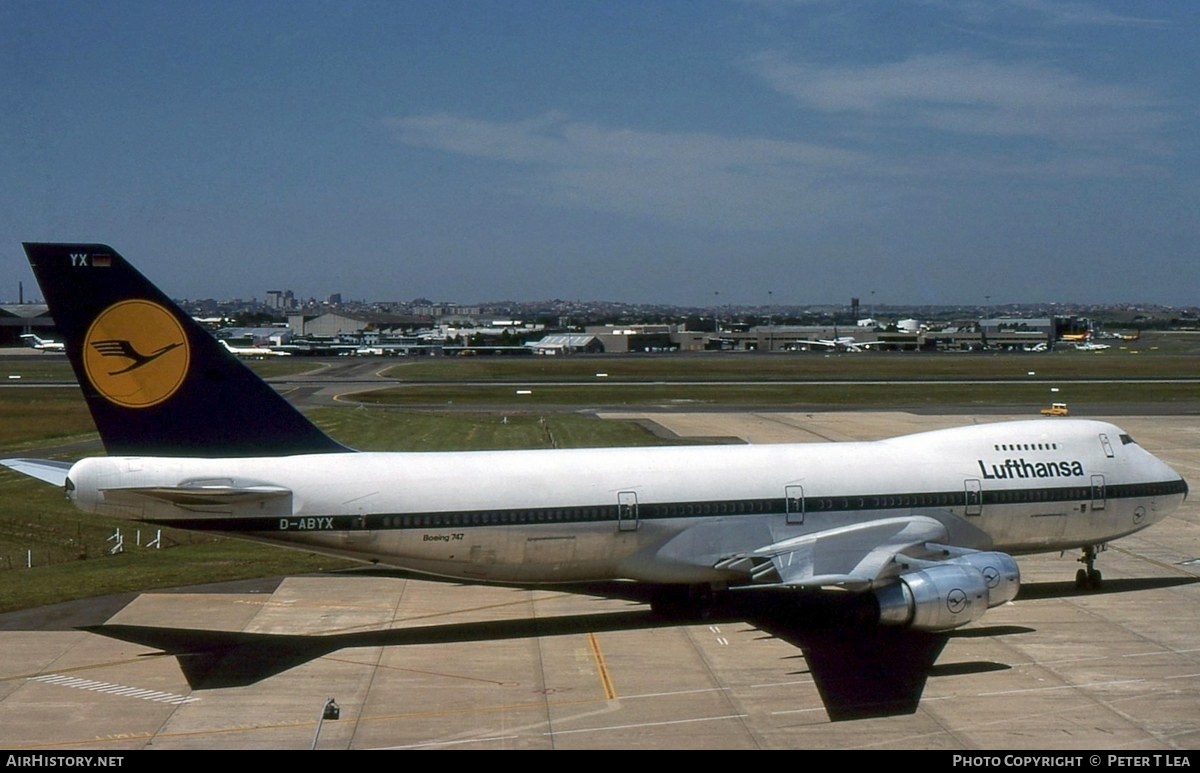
{"x": 999, "y": 570}
{"x": 949, "y": 594}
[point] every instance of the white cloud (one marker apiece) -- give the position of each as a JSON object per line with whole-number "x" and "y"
{"x": 695, "y": 178}
{"x": 1068, "y": 12}
{"x": 923, "y": 128}
{"x": 968, "y": 95}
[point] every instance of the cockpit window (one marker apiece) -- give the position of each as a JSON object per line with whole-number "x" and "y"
{"x": 1127, "y": 440}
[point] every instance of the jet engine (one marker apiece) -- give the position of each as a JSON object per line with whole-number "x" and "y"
{"x": 950, "y": 593}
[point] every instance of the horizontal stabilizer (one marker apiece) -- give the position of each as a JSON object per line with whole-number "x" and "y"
{"x": 185, "y": 496}
{"x": 45, "y": 470}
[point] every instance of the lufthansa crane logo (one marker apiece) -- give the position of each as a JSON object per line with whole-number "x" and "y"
{"x": 956, "y": 601}
{"x": 136, "y": 354}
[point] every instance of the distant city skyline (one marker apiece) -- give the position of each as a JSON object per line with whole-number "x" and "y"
{"x": 600, "y": 308}
{"x": 769, "y": 151}
{"x": 266, "y": 301}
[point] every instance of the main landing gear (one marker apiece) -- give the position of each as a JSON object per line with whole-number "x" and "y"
{"x": 1089, "y": 578}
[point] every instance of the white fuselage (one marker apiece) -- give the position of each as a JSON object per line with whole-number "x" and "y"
{"x": 660, "y": 514}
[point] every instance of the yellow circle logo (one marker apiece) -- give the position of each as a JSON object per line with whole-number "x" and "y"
{"x": 136, "y": 354}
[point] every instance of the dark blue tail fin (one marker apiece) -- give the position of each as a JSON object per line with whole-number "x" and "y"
{"x": 156, "y": 382}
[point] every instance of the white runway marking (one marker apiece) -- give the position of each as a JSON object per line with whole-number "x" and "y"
{"x": 111, "y": 688}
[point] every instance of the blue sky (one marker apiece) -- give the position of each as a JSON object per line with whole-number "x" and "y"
{"x": 787, "y": 151}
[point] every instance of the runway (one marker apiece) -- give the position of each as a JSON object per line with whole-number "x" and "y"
{"x": 415, "y": 663}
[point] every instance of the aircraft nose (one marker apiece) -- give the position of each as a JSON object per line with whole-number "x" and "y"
{"x": 1183, "y": 484}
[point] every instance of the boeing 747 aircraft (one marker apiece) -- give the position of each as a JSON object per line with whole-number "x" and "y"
{"x": 923, "y": 527}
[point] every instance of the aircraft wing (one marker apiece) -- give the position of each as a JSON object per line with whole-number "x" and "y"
{"x": 45, "y": 470}
{"x": 853, "y": 557}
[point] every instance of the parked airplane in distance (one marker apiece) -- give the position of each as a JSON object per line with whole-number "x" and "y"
{"x": 1091, "y": 346}
{"x": 841, "y": 343}
{"x": 923, "y": 528}
{"x": 253, "y": 352}
{"x": 837, "y": 343}
{"x": 42, "y": 344}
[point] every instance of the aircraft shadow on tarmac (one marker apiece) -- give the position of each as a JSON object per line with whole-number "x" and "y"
{"x": 860, "y": 671}
{"x": 1059, "y": 590}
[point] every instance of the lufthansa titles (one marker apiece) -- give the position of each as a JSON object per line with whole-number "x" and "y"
{"x": 1019, "y": 468}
